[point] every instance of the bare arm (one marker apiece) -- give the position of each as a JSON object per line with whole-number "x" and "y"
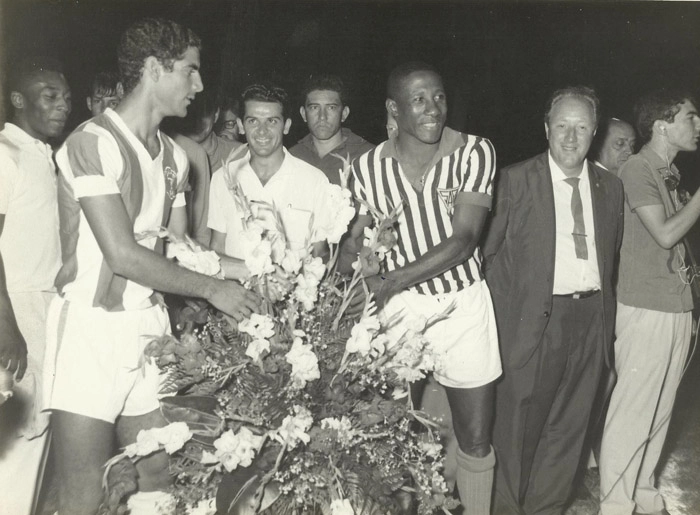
{"x": 13, "y": 348}
{"x": 467, "y": 223}
{"x": 110, "y": 223}
{"x": 234, "y": 268}
{"x": 668, "y": 231}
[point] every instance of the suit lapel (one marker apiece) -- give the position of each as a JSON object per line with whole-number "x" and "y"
{"x": 543, "y": 204}
{"x": 598, "y": 196}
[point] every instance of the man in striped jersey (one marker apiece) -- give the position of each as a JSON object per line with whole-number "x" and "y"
{"x": 443, "y": 178}
{"x": 550, "y": 257}
{"x": 120, "y": 178}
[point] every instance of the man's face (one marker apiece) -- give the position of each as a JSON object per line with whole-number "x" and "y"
{"x": 683, "y": 133}
{"x": 229, "y": 126}
{"x": 570, "y": 130}
{"x": 43, "y": 108}
{"x": 98, "y": 102}
{"x": 264, "y": 127}
{"x": 323, "y": 112}
{"x": 420, "y": 108}
{"x": 179, "y": 86}
{"x": 618, "y": 145}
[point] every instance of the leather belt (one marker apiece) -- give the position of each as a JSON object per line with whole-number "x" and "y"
{"x": 578, "y": 294}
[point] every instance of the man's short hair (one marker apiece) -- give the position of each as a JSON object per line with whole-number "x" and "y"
{"x": 232, "y": 104}
{"x": 325, "y": 83}
{"x": 104, "y": 84}
{"x": 583, "y": 92}
{"x": 26, "y": 70}
{"x": 400, "y": 72}
{"x": 163, "y": 39}
{"x": 663, "y": 104}
{"x": 266, "y": 93}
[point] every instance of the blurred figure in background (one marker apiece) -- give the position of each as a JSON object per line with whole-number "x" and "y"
{"x": 105, "y": 91}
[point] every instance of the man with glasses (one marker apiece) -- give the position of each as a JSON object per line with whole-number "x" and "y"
{"x": 654, "y": 321}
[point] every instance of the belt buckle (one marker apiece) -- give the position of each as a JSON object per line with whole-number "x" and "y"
{"x": 576, "y": 296}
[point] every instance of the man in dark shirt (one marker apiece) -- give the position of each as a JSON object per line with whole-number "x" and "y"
{"x": 324, "y": 111}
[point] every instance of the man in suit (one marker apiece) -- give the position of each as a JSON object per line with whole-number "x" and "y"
{"x": 550, "y": 254}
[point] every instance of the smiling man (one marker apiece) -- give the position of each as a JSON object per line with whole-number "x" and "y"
{"x": 444, "y": 180}
{"x": 550, "y": 254}
{"x": 324, "y": 111}
{"x": 654, "y": 320}
{"x": 30, "y": 256}
{"x": 121, "y": 177}
{"x": 265, "y": 172}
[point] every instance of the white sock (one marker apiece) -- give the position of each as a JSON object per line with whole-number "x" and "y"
{"x": 151, "y": 503}
{"x": 475, "y": 482}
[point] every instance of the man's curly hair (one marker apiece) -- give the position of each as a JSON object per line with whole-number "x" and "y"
{"x": 266, "y": 92}
{"x": 163, "y": 39}
{"x": 663, "y": 104}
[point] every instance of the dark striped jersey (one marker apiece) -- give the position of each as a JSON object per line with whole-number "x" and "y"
{"x": 464, "y": 165}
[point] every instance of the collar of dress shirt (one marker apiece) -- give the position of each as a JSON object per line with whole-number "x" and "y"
{"x": 559, "y": 175}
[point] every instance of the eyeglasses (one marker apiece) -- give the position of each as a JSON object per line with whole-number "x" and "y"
{"x": 230, "y": 124}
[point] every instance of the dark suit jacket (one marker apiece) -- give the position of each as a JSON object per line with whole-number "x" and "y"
{"x": 520, "y": 246}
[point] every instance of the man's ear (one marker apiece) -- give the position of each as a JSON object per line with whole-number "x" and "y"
{"x": 546, "y": 130}
{"x": 239, "y": 122}
{"x": 287, "y": 125}
{"x": 120, "y": 89}
{"x": 88, "y": 101}
{"x": 152, "y": 68}
{"x": 216, "y": 115}
{"x": 302, "y": 112}
{"x": 344, "y": 114}
{"x": 17, "y": 100}
{"x": 391, "y": 107}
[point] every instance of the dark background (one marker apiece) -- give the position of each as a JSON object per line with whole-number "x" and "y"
{"x": 500, "y": 61}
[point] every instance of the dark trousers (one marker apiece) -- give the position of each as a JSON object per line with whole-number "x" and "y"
{"x": 543, "y": 409}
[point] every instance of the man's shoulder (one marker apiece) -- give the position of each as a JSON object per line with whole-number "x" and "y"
{"x": 357, "y": 144}
{"x": 533, "y": 163}
{"x": 303, "y": 169}
{"x": 9, "y": 149}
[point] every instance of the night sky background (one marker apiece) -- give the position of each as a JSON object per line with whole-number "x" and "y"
{"x": 500, "y": 60}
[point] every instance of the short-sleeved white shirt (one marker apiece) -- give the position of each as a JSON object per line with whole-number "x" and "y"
{"x": 103, "y": 157}
{"x": 29, "y": 244}
{"x": 297, "y": 190}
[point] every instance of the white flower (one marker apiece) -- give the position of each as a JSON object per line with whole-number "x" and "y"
{"x": 361, "y": 335}
{"x": 173, "y": 436}
{"x": 370, "y": 234}
{"x": 336, "y": 213}
{"x": 306, "y": 291}
{"x": 314, "y": 268}
{"x": 341, "y": 507}
{"x": 259, "y": 260}
{"x": 294, "y": 428}
{"x": 192, "y": 257}
{"x": 258, "y": 326}
{"x": 146, "y": 443}
{"x": 203, "y": 507}
{"x": 292, "y": 260}
{"x": 233, "y": 450}
{"x": 256, "y": 348}
{"x": 342, "y": 426}
{"x": 431, "y": 449}
{"x": 304, "y": 363}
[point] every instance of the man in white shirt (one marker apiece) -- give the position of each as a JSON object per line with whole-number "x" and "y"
{"x": 550, "y": 255}
{"x": 264, "y": 172}
{"x": 30, "y": 256}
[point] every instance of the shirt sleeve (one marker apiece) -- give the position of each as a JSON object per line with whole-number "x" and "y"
{"x": 640, "y": 187}
{"x": 216, "y": 220}
{"x": 479, "y": 169}
{"x": 183, "y": 171}
{"x": 91, "y": 164}
{"x": 8, "y": 179}
{"x": 359, "y": 184}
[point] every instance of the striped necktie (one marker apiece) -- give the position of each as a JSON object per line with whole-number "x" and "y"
{"x": 579, "y": 233}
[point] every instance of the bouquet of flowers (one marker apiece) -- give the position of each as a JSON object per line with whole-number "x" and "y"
{"x": 300, "y": 408}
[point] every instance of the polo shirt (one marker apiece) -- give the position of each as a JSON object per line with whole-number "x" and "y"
{"x": 103, "y": 157}
{"x": 29, "y": 243}
{"x": 297, "y": 190}
{"x": 649, "y": 274}
{"x": 463, "y": 164}
{"x": 352, "y": 146}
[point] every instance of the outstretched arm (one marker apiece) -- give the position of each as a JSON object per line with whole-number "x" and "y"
{"x": 467, "y": 223}
{"x": 13, "y": 348}
{"x": 111, "y": 225}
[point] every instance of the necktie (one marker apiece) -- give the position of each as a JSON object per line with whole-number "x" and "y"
{"x": 579, "y": 233}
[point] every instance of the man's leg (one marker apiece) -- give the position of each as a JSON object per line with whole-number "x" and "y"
{"x": 82, "y": 446}
{"x": 472, "y": 414}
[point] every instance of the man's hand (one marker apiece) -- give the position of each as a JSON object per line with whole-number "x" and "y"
{"x": 383, "y": 287}
{"x": 13, "y": 348}
{"x": 234, "y": 300}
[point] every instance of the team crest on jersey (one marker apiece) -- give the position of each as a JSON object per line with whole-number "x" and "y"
{"x": 448, "y": 196}
{"x": 170, "y": 182}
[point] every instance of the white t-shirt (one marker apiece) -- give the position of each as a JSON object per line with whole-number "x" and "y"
{"x": 29, "y": 243}
{"x": 297, "y": 190}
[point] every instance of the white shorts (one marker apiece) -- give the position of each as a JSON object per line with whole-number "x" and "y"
{"x": 467, "y": 340}
{"x": 94, "y": 360}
